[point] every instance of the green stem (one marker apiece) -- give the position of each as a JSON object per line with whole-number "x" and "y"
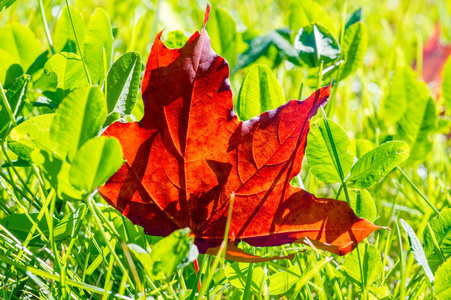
{"x": 301, "y": 88}
{"x": 337, "y": 159}
{"x": 401, "y": 265}
{"x": 418, "y": 191}
{"x": 6, "y": 105}
{"x": 78, "y": 43}
{"x": 249, "y": 281}
{"x": 46, "y": 26}
{"x": 118, "y": 261}
{"x": 203, "y": 265}
{"x": 222, "y": 249}
{"x": 330, "y": 108}
{"x": 438, "y": 249}
{"x": 362, "y": 276}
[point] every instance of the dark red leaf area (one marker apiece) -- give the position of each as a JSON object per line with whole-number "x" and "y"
{"x": 189, "y": 153}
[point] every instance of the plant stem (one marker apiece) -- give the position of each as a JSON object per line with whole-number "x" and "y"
{"x": 331, "y": 107}
{"x": 418, "y": 191}
{"x": 46, "y": 26}
{"x": 362, "y": 276}
{"x": 337, "y": 159}
{"x": 99, "y": 224}
{"x": 78, "y": 43}
{"x": 6, "y": 105}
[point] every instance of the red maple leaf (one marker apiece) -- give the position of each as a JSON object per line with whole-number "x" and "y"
{"x": 189, "y": 153}
{"x": 435, "y": 55}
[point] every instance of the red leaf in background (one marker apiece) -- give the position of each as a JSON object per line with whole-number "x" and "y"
{"x": 190, "y": 152}
{"x": 435, "y": 55}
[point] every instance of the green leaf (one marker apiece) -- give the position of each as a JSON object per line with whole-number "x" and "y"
{"x": 9, "y": 68}
{"x": 442, "y": 285}
{"x": 380, "y": 292}
{"x": 166, "y": 255}
{"x": 70, "y": 224}
{"x": 314, "y": 44}
{"x": 30, "y": 135}
{"x": 320, "y": 155}
{"x": 111, "y": 118}
{"x": 377, "y": 163}
{"x": 404, "y": 90}
{"x": 63, "y": 35}
{"x": 370, "y": 258}
{"x": 441, "y": 227}
{"x": 356, "y": 17}
{"x": 355, "y": 43}
{"x": 15, "y": 95}
{"x": 95, "y": 162}
{"x": 443, "y": 125}
{"x": 176, "y": 39}
{"x": 282, "y": 282}
{"x": 417, "y": 250}
{"x": 236, "y": 274}
{"x": 281, "y": 40}
{"x": 257, "y": 48}
{"x": 21, "y": 43}
{"x": 78, "y": 119}
{"x": 17, "y": 163}
{"x": 98, "y": 38}
{"x": 360, "y": 147}
{"x": 123, "y": 84}
{"x": 446, "y": 84}
{"x": 69, "y": 70}
{"x": 259, "y": 92}
{"x": 225, "y": 38}
{"x": 20, "y": 226}
{"x": 362, "y": 203}
{"x": 127, "y": 230}
{"x": 416, "y": 125}
{"x": 56, "y": 171}
{"x": 6, "y": 3}
{"x": 304, "y": 12}
{"x": 262, "y": 45}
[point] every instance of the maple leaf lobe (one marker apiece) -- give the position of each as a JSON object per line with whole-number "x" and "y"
{"x": 190, "y": 152}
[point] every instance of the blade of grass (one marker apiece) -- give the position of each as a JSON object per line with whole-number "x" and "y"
{"x": 108, "y": 284}
{"x": 222, "y": 249}
{"x": 46, "y": 26}
{"x": 132, "y": 267}
{"x": 438, "y": 249}
{"x": 203, "y": 266}
{"x": 307, "y": 276}
{"x": 340, "y": 172}
{"x": 331, "y": 107}
{"x": 57, "y": 278}
{"x": 77, "y": 42}
{"x": 6, "y": 105}
{"x": 24, "y": 210}
{"x": 418, "y": 190}
{"x": 401, "y": 265}
{"x": 102, "y": 231}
